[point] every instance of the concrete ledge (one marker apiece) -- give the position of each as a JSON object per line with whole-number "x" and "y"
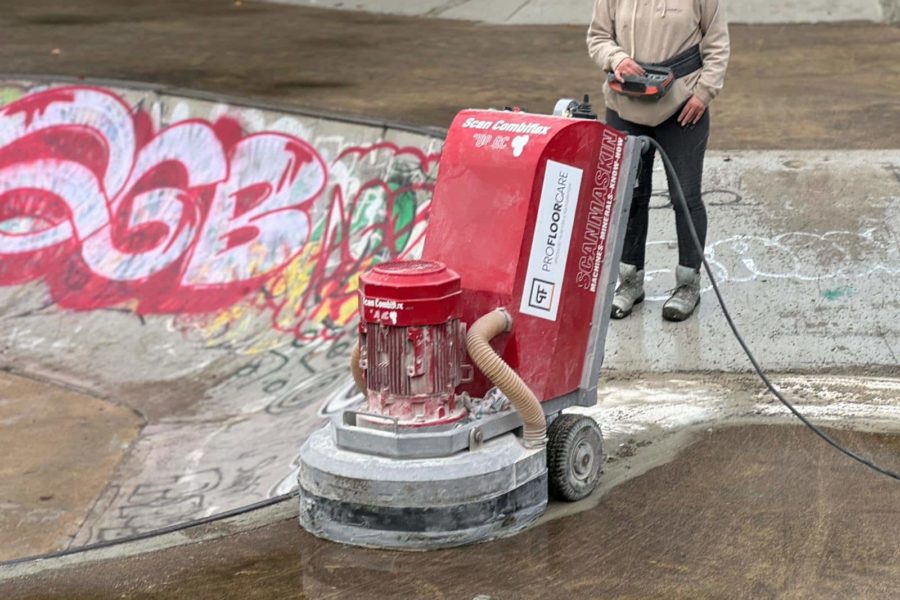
{"x": 577, "y": 12}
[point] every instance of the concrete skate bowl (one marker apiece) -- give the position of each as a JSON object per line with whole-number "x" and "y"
{"x": 177, "y": 275}
{"x": 180, "y": 269}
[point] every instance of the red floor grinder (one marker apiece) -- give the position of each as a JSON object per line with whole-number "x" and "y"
{"x": 467, "y": 358}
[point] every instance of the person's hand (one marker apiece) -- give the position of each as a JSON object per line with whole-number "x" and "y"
{"x": 692, "y": 111}
{"x": 628, "y": 67}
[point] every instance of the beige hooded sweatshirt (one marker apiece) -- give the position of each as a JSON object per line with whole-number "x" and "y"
{"x": 652, "y": 31}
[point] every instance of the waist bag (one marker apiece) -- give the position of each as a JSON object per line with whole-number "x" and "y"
{"x": 657, "y": 77}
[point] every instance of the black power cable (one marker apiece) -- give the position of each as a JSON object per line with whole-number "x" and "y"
{"x": 673, "y": 178}
{"x": 230, "y": 514}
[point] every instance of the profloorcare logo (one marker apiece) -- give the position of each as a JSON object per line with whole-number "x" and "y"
{"x": 550, "y": 245}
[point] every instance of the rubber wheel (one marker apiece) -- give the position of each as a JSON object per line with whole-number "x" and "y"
{"x": 574, "y": 457}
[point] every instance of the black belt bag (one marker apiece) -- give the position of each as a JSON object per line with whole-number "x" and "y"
{"x": 658, "y": 77}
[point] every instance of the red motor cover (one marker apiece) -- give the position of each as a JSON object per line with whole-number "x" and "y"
{"x": 410, "y": 292}
{"x": 412, "y": 342}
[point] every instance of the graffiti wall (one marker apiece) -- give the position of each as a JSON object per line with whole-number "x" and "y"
{"x": 151, "y": 207}
{"x": 197, "y": 261}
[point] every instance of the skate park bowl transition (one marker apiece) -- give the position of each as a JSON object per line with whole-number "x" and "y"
{"x": 194, "y": 262}
{"x": 178, "y": 279}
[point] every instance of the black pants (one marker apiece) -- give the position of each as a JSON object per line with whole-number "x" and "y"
{"x": 686, "y": 147}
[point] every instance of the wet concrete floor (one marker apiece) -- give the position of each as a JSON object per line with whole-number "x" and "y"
{"x": 789, "y": 86}
{"x": 743, "y": 512}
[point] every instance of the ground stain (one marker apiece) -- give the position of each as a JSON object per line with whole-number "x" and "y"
{"x": 836, "y": 294}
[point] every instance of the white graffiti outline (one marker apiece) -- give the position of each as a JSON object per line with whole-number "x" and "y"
{"x": 746, "y": 266}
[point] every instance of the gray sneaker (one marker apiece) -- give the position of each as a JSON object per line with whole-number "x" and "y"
{"x": 629, "y": 292}
{"x": 686, "y": 297}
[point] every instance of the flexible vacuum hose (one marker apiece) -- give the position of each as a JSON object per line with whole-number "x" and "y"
{"x": 478, "y": 344}
{"x": 356, "y": 371}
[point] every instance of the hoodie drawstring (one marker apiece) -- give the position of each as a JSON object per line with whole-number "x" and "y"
{"x": 633, "y": 23}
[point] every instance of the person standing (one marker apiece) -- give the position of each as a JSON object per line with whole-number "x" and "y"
{"x": 691, "y": 37}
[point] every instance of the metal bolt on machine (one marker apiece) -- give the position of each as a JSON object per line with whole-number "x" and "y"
{"x": 468, "y": 357}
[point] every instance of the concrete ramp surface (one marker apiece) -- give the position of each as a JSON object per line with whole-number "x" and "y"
{"x": 578, "y": 12}
{"x": 194, "y": 261}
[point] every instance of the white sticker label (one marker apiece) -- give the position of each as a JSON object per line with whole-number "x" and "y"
{"x": 550, "y": 245}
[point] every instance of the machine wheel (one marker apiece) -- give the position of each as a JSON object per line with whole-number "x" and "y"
{"x": 574, "y": 457}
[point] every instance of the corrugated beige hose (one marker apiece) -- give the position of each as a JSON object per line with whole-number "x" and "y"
{"x": 478, "y": 344}
{"x": 356, "y": 371}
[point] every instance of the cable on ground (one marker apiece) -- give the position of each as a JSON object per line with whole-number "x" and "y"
{"x": 679, "y": 193}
